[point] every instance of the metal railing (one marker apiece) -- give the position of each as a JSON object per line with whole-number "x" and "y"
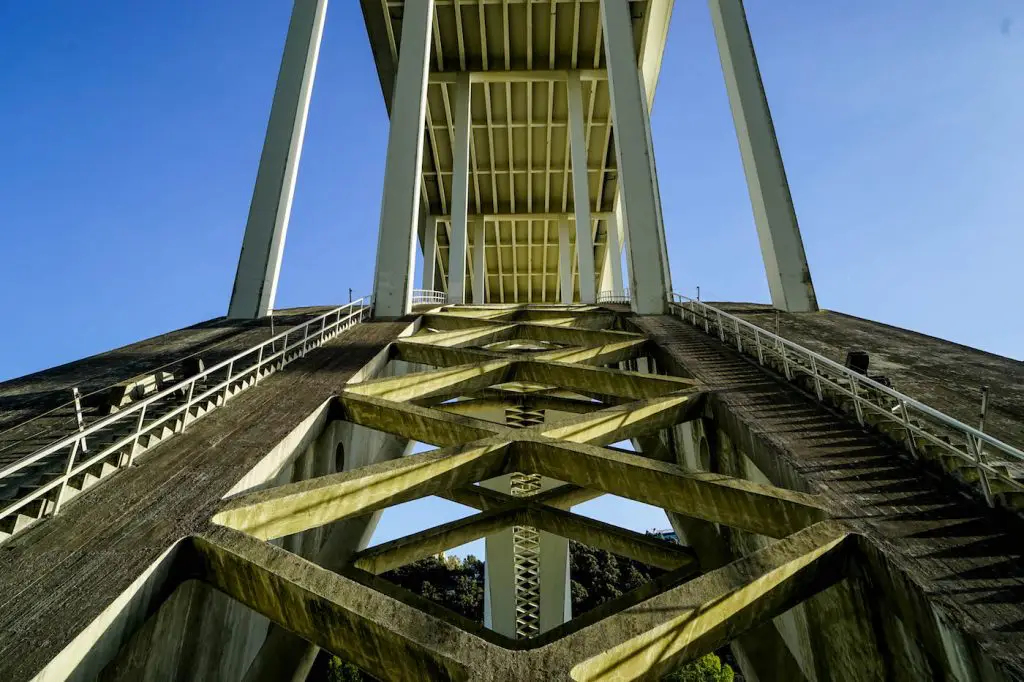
{"x": 924, "y": 429}
{"x": 610, "y": 296}
{"x": 422, "y": 296}
{"x": 129, "y": 432}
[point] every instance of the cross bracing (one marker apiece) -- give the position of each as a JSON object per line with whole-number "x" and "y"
{"x": 587, "y": 403}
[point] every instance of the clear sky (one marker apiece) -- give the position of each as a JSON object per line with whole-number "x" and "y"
{"x": 130, "y": 134}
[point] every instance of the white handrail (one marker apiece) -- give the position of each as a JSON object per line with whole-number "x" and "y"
{"x": 421, "y": 296}
{"x": 313, "y": 333}
{"x": 611, "y": 296}
{"x": 713, "y": 321}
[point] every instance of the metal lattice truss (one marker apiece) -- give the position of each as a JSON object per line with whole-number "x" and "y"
{"x": 563, "y": 362}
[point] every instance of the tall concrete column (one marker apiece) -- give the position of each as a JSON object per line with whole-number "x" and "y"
{"x": 636, "y": 179}
{"x": 581, "y": 190}
{"x": 430, "y": 253}
{"x": 662, "y": 240}
{"x": 782, "y": 248}
{"x": 259, "y": 263}
{"x": 479, "y": 262}
{"x": 400, "y": 205}
{"x": 613, "y": 260}
{"x": 564, "y": 262}
{"x": 460, "y": 191}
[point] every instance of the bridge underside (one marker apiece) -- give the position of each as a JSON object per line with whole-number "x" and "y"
{"x": 814, "y": 548}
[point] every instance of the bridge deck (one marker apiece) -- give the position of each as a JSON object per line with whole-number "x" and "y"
{"x": 58, "y": 577}
{"x": 925, "y": 542}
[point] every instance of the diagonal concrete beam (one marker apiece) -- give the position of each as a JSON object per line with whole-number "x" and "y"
{"x": 462, "y": 338}
{"x": 436, "y": 427}
{"x": 699, "y": 616}
{"x": 572, "y": 336}
{"x": 606, "y": 354}
{"x": 441, "y": 356}
{"x": 643, "y": 548}
{"x": 753, "y": 507}
{"x": 363, "y": 626}
{"x": 405, "y": 550}
{"x": 451, "y": 380}
{"x": 622, "y": 422}
{"x": 295, "y": 507}
{"x": 598, "y": 381}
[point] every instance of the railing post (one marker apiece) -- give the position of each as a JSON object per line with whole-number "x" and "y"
{"x": 188, "y": 399}
{"x": 911, "y": 444}
{"x": 785, "y": 359}
{"x": 975, "y": 448}
{"x": 227, "y": 382}
{"x": 721, "y": 327}
{"x": 817, "y": 379}
{"x": 138, "y": 432}
{"x": 757, "y": 342}
{"x": 856, "y": 399}
{"x": 64, "y": 480}
{"x": 739, "y": 341}
{"x": 78, "y": 416}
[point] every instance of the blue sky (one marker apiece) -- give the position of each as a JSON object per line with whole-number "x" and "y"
{"x": 131, "y": 131}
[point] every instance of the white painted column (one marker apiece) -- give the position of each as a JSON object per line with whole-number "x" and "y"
{"x": 460, "y": 191}
{"x": 662, "y": 240}
{"x": 430, "y": 253}
{"x": 479, "y": 263}
{"x": 259, "y": 263}
{"x": 613, "y": 260}
{"x": 400, "y": 204}
{"x": 636, "y": 182}
{"x": 564, "y": 262}
{"x": 782, "y": 248}
{"x": 581, "y": 189}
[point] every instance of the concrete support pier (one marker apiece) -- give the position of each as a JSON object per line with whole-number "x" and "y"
{"x": 259, "y": 263}
{"x": 782, "y": 248}
{"x": 400, "y": 206}
{"x": 638, "y": 190}
{"x": 460, "y": 191}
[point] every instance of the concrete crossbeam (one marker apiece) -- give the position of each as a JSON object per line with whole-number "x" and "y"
{"x": 757, "y": 508}
{"x": 405, "y": 550}
{"x": 295, "y": 507}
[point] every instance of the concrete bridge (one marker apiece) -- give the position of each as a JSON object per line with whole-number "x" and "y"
{"x": 199, "y": 505}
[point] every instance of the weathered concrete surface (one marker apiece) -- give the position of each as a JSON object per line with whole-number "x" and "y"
{"x": 946, "y": 375}
{"x": 62, "y": 575}
{"x": 945, "y": 577}
{"x": 213, "y": 340}
{"x": 394, "y": 640}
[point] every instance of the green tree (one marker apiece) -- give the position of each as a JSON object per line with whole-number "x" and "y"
{"x": 709, "y": 668}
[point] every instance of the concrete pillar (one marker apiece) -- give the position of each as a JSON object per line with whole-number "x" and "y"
{"x": 460, "y": 191}
{"x": 785, "y": 263}
{"x": 613, "y": 261}
{"x": 400, "y": 205}
{"x": 636, "y": 182}
{"x": 430, "y": 254}
{"x": 581, "y": 190}
{"x": 564, "y": 262}
{"x": 259, "y": 263}
{"x": 479, "y": 263}
{"x": 662, "y": 240}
